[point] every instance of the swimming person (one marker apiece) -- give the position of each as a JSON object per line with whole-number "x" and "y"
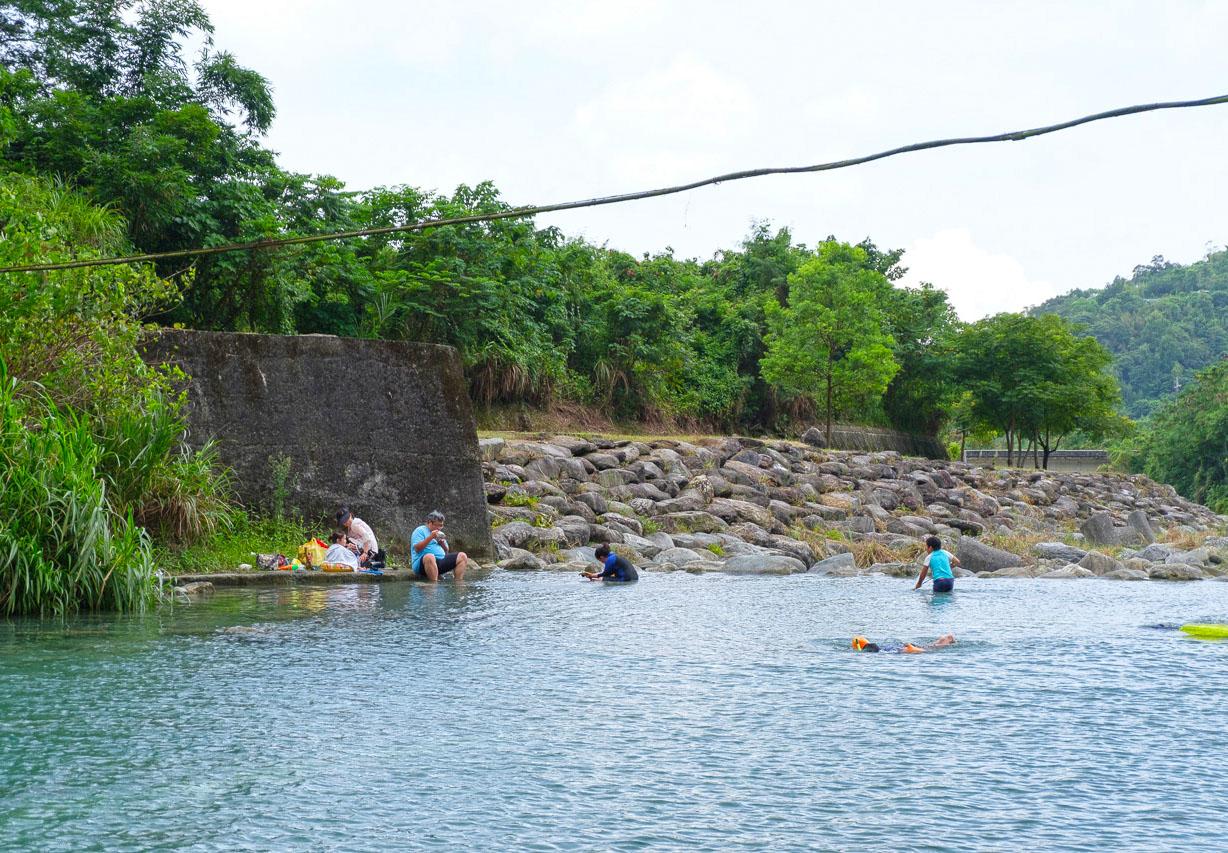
{"x": 861, "y": 644}
{"x": 428, "y": 551}
{"x": 938, "y": 563}
{"x": 615, "y": 568}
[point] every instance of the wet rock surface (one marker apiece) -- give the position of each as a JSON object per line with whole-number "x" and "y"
{"x": 742, "y": 505}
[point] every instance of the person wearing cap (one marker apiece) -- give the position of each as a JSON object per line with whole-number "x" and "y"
{"x": 361, "y": 537}
{"x": 428, "y": 551}
{"x": 614, "y": 567}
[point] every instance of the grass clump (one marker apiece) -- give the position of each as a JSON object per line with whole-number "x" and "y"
{"x": 228, "y": 547}
{"x": 868, "y": 552}
{"x": 519, "y": 499}
{"x": 63, "y": 545}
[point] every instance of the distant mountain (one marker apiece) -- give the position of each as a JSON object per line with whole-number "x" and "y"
{"x": 1162, "y": 324}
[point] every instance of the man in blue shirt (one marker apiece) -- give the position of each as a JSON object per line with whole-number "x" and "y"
{"x": 938, "y": 563}
{"x": 428, "y": 551}
{"x": 615, "y": 568}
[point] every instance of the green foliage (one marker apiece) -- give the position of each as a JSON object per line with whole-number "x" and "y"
{"x": 93, "y": 447}
{"x": 279, "y": 471}
{"x": 519, "y": 499}
{"x": 1162, "y": 325}
{"x": 226, "y": 548}
{"x": 1185, "y": 442}
{"x": 109, "y": 96}
{"x": 829, "y": 341}
{"x": 63, "y": 545}
{"x": 1034, "y": 378}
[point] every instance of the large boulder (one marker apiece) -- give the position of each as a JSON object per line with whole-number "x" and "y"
{"x": 1099, "y": 564}
{"x": 733, "y": 511}
{"x": 1156, "y": 552}
{"x": 1070, "y": 570}
{"x": 1010, "y": 572}
{"x": 691, "y": 522}
{"x": 576, "y": 530}
{"x": 1058, "y": 551}
{"x": 1175, "y": 572}
{"x": 522, "y": 562}
{"x": 491, "y": 449}
{"x": 978, "y": 557}
{"x": 1141, "y": 524}
{"x": 762, "y": 564}
{"x": 1127, "y": 574}
{"x": 1099, "y": 529}
{"x": 519, "y": 534}
{"x": 678, "y": 556}
{"x": 840, "y": 563}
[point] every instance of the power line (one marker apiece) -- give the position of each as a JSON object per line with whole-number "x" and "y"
{"x": 518, "y": 212}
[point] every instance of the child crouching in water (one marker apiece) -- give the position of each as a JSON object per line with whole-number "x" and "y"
{"x": 938, "y": 564}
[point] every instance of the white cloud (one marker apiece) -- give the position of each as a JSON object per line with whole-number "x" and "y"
{"x": 979, "y": 282}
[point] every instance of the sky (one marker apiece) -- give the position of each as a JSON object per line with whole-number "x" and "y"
{"x": 554, "y": 101}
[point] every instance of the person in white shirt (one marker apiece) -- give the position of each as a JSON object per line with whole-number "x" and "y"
{"x": 361, "y": 536}
{"x": 339, "y": 552}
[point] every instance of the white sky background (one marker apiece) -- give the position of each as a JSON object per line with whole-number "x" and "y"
{"x": 556, "y": 101}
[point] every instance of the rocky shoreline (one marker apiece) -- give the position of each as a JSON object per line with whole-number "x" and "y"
{"x": 750, "y": 506}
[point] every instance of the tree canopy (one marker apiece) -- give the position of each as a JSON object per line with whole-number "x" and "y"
{"x": 1162, "y": 325}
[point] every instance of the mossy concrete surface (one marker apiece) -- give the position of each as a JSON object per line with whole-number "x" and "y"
{"x": 312, "y": 422}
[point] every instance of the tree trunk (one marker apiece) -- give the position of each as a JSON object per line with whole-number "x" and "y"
{"x": 829, "y": 408}
{"x": 963, "y": 440}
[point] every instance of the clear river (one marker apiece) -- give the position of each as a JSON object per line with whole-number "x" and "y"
{"x": 542, "y": 712}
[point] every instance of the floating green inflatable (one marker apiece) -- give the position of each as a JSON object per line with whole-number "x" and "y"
{"x": 1207, "y": 632}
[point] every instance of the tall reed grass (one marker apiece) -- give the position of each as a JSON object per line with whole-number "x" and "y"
{"x": 63, "y": 546}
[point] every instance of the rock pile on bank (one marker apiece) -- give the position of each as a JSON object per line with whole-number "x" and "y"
{"x": 742, "y": 505}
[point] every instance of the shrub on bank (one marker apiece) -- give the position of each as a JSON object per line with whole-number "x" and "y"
{"x": 92, "y": 459}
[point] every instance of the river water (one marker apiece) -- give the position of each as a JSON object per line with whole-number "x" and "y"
{"x": 538, "y": 711}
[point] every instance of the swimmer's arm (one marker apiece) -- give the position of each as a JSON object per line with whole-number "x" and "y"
{"x": 954, "y": 560}
{"x": 925, "y": 570}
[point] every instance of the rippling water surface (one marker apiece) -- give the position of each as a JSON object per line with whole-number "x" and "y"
{"x": 542, "y": 712}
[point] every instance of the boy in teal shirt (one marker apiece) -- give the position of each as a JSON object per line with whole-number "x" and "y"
{"x": 938, "y": 564}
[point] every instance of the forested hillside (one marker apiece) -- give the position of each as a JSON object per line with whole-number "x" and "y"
{"x": 1163, "y": 324}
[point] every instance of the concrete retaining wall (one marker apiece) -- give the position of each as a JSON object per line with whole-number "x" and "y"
{"x": 851, "y": 437}
{"x": 383, "y": 426}
{"x": 1059, "y": 460}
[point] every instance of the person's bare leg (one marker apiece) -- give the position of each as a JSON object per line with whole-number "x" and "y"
{"x": 430, "y": 568}
{"x": 947, "y": 640}
{"x": 462, "y": 560}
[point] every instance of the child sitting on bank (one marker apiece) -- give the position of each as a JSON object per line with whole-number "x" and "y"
{"x": 938, "y": 564}
{"x": 340, "y": 552}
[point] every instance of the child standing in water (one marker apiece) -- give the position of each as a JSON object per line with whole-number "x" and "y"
{"x": 938, "y": 564}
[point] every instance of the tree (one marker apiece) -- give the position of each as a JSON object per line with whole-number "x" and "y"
{"x": 922, "y": 323}
{"x": 1035, "y": 378}
{"x": 829, "y": 340}
{"x": 1185, "y": 442}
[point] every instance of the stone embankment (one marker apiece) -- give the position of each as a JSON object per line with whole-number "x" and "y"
{"x": 746, "y": 506}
